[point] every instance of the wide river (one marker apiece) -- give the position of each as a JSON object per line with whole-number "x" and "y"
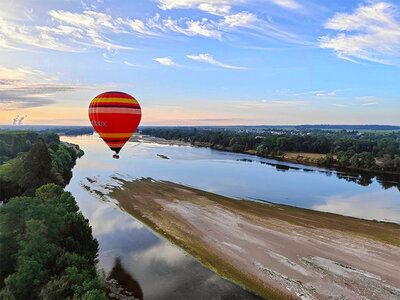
{"x": 163, "y": 270}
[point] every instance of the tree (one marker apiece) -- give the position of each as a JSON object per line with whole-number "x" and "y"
{"x": 38, "y": 167}
{"x": 49, "y": 248}
{"x": 35, "y": 253}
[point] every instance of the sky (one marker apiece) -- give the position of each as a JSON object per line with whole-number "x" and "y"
{"x": 203, "y": 62}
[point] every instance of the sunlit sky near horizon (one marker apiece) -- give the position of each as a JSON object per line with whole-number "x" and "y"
{"x": 203, "y": 62}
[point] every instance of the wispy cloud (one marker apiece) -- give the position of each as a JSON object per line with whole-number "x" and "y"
{"x": 71, "y": 32}
{"x": 77, "y": 31}
{"x": 228, "y": 22}
{"x": 106, "y": 59}
{"x": 92, "y": 26}
{"x": 309, "y": 93}
{"x": 371, "y": 33}
{"x": 131, "y": 64}
{"x": 189, "y": 27}
{"x": 253, "y": 104}
{"x": 166, "y": 61}
{"x": 366, "y": 98}
{"x": 136, "y": 25}
{"x": 25, "y": 88}
{"x": 290, "y": 4}
{"x": 242, "y": 19}
{"x": 326, "y": 94}
{"x": 207, "y": 58}
{"x": 217, "y": 7}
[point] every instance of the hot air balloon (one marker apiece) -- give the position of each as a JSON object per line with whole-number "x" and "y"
{"x": 115, "y": 117}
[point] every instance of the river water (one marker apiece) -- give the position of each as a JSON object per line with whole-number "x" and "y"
{"x": 163, "y": 270}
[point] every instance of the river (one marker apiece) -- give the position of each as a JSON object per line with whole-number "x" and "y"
{"x": 163, "y": 270}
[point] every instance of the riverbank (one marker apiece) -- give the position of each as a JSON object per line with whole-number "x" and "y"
{"x": 278, "y": 251}
{"x": 347, "y": 151}
{"x": 300, "y": 158}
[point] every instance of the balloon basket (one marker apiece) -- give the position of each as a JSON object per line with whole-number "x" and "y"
{"x": 116, "y": 156}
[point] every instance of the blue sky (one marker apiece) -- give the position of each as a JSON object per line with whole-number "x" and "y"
{"x": 203, "y": 62}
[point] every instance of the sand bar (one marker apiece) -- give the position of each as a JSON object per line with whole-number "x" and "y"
{"x": 278, "y": 251}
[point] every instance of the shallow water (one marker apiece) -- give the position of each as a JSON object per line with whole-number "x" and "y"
{"x": 165, "y": 271}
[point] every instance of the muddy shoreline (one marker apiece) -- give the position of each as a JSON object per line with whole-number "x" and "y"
{"x": 277, "y": 251}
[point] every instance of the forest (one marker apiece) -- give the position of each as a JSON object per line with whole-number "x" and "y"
{"x": 46, "y": 245}
{"x": 47, "y": 248}
{"x": 368, "y": 151}
{"x": 29, "y": 160}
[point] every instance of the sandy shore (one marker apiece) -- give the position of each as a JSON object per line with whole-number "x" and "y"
{"x": 136, "y": 137}
{"x": 278, "y": 251}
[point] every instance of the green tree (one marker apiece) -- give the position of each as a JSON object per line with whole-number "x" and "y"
{"x": 37, "y": 167}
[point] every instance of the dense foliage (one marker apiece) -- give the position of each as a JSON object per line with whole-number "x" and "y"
{"x": 48, "y": 161}
{"x": 14, "y": 142}
{"x": 347, "y": 149}
{"x": 47, "y": 249}
{"x": 70, "y": 130}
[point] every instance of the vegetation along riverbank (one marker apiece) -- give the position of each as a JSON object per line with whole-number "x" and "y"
{"x": 46, "y": 245}
{"x": 377, "y": 152}
{"x": 30, "y": 159}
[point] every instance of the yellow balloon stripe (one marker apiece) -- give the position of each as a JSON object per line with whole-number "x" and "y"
{"x": 121, "y": 100}
{"x": 115, "y": 135}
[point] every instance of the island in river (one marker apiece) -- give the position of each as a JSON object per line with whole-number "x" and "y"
{"x": 277, "y": 251}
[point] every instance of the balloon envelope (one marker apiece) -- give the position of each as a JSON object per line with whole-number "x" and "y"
{"x": 115, "y": 117}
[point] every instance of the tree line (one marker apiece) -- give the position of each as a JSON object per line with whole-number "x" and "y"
{"x": 44, "y": 163}
{"x": 379, "y": 152}
{"x": 47, "y": 248}
{"x": 14, "y": 142}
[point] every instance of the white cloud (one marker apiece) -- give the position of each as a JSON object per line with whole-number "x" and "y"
{"x": 13, "y": 35}
{"x": 77, "y": 31}
{"x": 217, "y": 7}
{"x": 290, "y": 4}
{"x": 207, "y": 58}
{"x": 242, "y": 19}
{"x": 367, "y": 98}
{"x": 203, "y": 28}
{"x": 136, "y": 25}
{"x": 131, "y": 64}
{"x": 87, "y": 20}
{"x": 106, "y": 58}
{"x": 165, "y": 61}
{"x": 326, "y": 94}
{"x": 70, "y": 32}
{"x": 371, "y": 33}
{"x": 309, "y": 93}
{"x": 25, "y": 87}
{"x": 370, "y": 103}
{"x": 92, "y": 24}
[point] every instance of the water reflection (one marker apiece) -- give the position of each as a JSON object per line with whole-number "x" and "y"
{"x": 160, "y": 269}
{"x": 165, "y": 271}
{"x": 126, "y": 284}
{"x": 361, "y": 178}
{"x": 364, "y": 205}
